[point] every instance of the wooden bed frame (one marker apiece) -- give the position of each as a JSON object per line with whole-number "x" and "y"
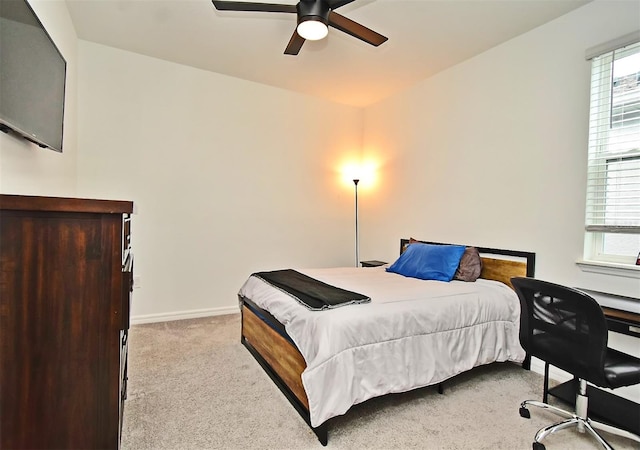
{"x": 269, "y": 343}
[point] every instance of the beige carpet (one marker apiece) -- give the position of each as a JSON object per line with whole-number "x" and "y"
{"x": 192, "y": 385}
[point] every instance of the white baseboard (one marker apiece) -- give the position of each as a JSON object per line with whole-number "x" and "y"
{"x": 555, "y": 374}
{"x": 181, "y": 315}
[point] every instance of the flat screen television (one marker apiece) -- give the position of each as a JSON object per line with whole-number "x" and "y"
{"x": 32, "y": 77}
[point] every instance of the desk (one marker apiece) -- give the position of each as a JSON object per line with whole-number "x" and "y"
{"x": 622, "y": 313}
{"x": 624, "y": 322}
{"x": 603, "y": 405}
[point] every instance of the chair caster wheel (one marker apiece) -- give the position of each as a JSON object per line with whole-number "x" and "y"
{"x": 538, "y": 446}
{"x": 524, "y": 412}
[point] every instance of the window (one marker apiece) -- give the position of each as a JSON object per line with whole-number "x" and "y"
{"x": 613, "y": 179}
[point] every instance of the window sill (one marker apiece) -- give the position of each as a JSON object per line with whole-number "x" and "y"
{"x": 609, "y": 268}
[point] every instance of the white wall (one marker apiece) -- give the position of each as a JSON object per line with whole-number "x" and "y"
{"x": 26, "y": 168}
{"x": 492, "y": 152}
{"x": 228, "y": 176}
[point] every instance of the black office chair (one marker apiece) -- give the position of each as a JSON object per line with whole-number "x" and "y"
{"x": 567, "y": 329}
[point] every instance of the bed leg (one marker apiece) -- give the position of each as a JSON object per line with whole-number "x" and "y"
{"x": 526, "y": 364}
{"x": 440, "y": 388}
{"x": 321, "y": 432}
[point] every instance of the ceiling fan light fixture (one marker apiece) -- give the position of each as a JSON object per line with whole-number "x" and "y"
{"x": 312, "y": 28}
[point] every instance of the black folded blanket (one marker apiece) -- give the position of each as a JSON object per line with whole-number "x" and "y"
{"x": 312, "y": 293}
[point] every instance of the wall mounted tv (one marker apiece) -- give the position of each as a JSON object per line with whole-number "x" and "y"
{"x": 32, "y": 77}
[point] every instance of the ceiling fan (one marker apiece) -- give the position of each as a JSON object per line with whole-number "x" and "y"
{"x": 314, "y": 18}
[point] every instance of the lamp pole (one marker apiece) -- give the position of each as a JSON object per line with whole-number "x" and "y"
{"x": 355, "y": 182}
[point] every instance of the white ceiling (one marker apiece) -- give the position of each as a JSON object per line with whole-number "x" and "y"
{"x": 425, "y": 37}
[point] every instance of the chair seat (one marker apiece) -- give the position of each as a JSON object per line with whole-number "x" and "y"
{"x": 621, "y": 369}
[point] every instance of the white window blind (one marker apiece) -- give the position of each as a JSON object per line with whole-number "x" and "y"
{"x": 613, "y": 179}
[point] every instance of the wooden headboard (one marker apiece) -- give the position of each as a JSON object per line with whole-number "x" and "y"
{"x": 497, "y": 264}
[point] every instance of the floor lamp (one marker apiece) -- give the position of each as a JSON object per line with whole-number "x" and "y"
{"x": 355, "y": 182}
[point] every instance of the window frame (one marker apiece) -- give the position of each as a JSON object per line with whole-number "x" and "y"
{"x": 601, "y": 128}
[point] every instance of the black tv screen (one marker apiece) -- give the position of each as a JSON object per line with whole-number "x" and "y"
{"x": 32, "y": 77}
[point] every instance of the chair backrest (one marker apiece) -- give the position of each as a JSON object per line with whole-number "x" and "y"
{"x": 564, "y": 327}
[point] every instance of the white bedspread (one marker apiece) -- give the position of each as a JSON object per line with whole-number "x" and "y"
{"x": 414, "y": 333}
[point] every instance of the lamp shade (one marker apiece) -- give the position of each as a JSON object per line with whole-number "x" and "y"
{"x": 312, "y": 29}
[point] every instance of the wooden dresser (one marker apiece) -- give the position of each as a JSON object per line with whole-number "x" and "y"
{"x": 65, "y": 282}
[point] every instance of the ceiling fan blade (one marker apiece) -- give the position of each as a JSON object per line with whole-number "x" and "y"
{"x": 355, "y": 29}
{"x": 249, "y": 6}
{"x": 334, "y": 4}
{"x": 295, "y": 44}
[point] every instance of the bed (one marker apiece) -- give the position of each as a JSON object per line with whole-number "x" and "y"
{"x": 413, "y": 333}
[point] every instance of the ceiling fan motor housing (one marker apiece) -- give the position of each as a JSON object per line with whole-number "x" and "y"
{"x": 317, "y": 10}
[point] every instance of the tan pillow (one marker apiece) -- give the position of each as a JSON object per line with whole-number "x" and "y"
{"x": 411, "y": 241}
{"x": 470, "y": 265}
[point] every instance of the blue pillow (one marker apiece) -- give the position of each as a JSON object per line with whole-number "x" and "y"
{"x": 428, "y": 261}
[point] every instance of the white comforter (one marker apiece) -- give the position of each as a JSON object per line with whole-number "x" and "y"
{"x": 414, "y": 333}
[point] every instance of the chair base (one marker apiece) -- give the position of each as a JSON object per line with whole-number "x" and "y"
{"x": 577, "y": 419}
